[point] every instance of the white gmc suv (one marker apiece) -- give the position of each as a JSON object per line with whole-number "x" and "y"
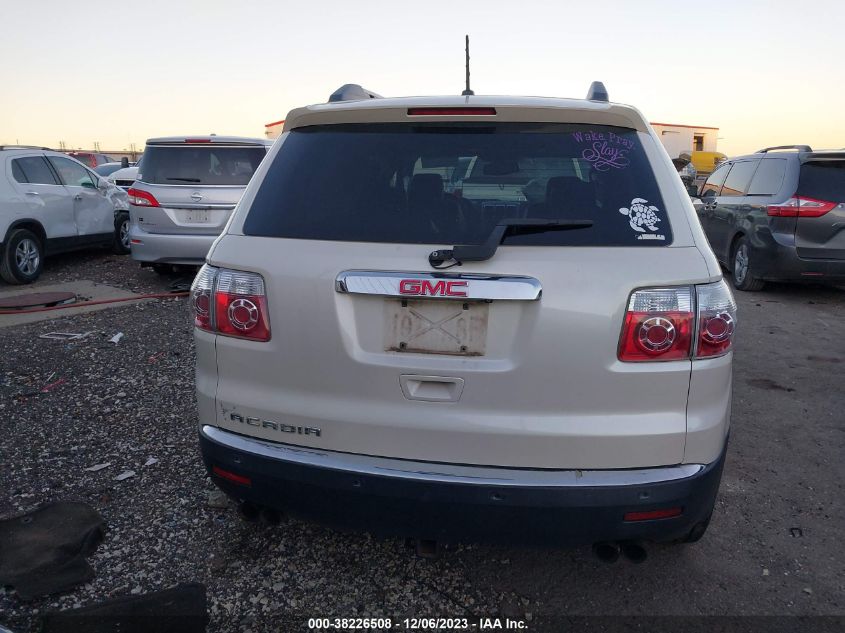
{"x": 471, "y": 317}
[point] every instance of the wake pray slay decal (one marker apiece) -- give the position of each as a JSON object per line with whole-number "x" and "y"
{"x": 643, "y": 217}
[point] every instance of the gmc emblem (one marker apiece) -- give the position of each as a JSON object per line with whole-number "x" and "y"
{"x": 424, "y": 287}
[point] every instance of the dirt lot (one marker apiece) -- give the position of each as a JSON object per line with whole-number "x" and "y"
{"x": 774, "y": 546}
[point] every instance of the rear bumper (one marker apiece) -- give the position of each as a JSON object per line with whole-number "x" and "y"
{"x": 452, "y": 503}
{"x": 166, "y": 248}
{"x": 780, "y": 262}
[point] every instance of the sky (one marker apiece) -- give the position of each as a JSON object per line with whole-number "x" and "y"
{"x": 765, "y": 73}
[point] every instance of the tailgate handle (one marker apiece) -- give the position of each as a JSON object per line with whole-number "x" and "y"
{"x": 431, "y": 388}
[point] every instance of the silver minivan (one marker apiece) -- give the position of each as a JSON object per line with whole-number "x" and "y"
{"x": 184, "y": 193}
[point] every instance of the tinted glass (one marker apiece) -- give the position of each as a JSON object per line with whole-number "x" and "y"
{"x": 823, "y": 181}
{"x": 768, "y": 178}
{"x": 72, "y": 173}
{"x": 713, "y": 184}
{"x": 740, "y": 175}
{"x": 34, "y": 169}
{"x": 452, "y": 183}
{"x": 108, "y": 168}
{"x": 200, "y": 164}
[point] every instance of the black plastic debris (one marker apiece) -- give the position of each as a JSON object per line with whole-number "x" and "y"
{"x": 180, "y": 609}
{"x": 43, "y": 552}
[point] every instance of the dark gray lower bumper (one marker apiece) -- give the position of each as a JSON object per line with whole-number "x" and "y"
{"x": 461, "y": 503}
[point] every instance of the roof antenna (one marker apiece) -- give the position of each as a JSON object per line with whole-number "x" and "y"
{"x": 467, "y": 92}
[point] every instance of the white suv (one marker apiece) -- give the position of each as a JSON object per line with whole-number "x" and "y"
{"x": 50, "y": 203}
{"x": 468, "y": 318}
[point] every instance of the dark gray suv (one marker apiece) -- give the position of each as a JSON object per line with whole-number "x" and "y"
{"x": 778, "y": 215}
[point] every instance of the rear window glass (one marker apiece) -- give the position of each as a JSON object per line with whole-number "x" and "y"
{"x": 200, "y": 164}
{"x": 768, "y": 178}
{"x": 823, "y": 181}
{"x": 452, "y": 183}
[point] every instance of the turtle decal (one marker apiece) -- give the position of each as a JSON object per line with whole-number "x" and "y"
{"x": 641, "y": 214}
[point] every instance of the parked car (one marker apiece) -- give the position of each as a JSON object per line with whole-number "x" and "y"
{"x": 91, "y": 159}
{"x": 778, "y": 215}
{"x": 50, "y": 203}
{"x": 184, "y": 193}
{"x": 538, "y": 349}
{"x": 125, "y": 178}
{"x": 107, "y": 169}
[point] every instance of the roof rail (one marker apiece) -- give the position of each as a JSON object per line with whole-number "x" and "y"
{"x": 800, "y": 148}
{"x": 597, "y": 92}
{"x": 2, "y": 147}
{"x": 352, "y": 92}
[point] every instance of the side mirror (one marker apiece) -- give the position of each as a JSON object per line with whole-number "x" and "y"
{"x": 692, "y": 190}
{"x": 87, "y": 184}
{"x": 124, "y": 162}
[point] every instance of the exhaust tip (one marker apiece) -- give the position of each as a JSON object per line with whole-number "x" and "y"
{"x": 271, "y": 516}
{"x": 606, "y": 551}
{"x": 634, "y": 551}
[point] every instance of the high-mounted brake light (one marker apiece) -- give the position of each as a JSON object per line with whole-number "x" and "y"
{"x": 198, "y": 140}
{"x": 230, "y": 302}
{"x": 678, "y": 323}
{"x": 800, "y": 207}
{"x": 141, "y": 198}
{"x": 451, "y": 111}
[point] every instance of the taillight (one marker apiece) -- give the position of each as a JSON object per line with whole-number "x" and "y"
{"x": 678, "y": 323}
{"x": 716, "y": 319}
{"x": 230, "y": 302}
{"x": 658, "y": 325}
{"x": 141, "y": 198}
{"x": 800, "y": 207}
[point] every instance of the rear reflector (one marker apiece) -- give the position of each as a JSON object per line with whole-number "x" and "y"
{"x": 230, "y": 476}
{"x": 800, "y": 207}
{"x": 451, "y": 111}
{"x": 650, "y": 515}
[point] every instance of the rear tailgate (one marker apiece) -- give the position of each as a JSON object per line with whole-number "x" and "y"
{"x": 822, "y": 237}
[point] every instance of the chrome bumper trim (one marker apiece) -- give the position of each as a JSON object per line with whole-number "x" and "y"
{"x": 411, "y": 285}
{"x": 448, "y": 473}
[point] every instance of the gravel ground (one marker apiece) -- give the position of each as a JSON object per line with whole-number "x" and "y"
{"x": 126, "y": 403}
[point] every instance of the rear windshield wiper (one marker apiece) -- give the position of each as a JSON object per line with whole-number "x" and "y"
{"x": 517, "y": 226}
{"x": 185, "y": 179}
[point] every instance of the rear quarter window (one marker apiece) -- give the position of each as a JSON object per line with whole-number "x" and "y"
{"x": 452, "y": 183}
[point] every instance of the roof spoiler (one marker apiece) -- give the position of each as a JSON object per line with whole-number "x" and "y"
{"x": 352, "y": 92}
{"x": 800, "y": 148}
{"x": 2, "y": 147}
{"x": 597, "y": 92}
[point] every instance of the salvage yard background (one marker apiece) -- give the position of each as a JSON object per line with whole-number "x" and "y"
{"x": 774, "y": 546}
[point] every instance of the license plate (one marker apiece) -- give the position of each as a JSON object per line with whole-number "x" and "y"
{"x": 436, "y": 327}
{"x": 197, "y": 216}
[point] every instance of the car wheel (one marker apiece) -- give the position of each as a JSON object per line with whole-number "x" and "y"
{"x": 743, "y": 275}
{"x": 23, "y": 257}
{"x": 121, "y": 233}
{"x": 163, "y": 269}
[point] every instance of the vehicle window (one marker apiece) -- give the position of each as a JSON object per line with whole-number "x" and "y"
{"x": 823, "y": 181}
{"x": 71, "y": 173}
{"x": 714, "y": 182}
{"x": 736, "y": 184}
{"x": 768, "y": 178}
{"x": 106, "y": 169}
{"x": 34, "y": 170}
{"x": 452, "y": 183}
{"x": 200, "y": 165}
